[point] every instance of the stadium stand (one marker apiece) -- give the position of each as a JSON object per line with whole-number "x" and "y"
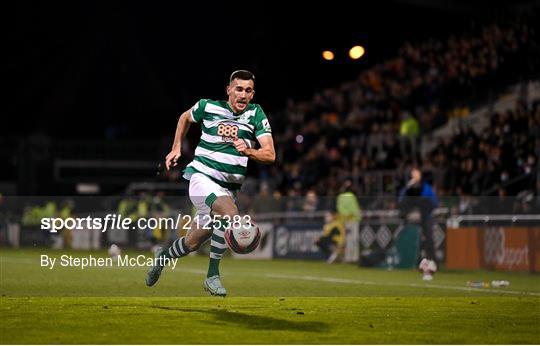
{"x": 355, "y": 128}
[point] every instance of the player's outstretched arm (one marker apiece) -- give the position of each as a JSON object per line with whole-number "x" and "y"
{"x": 265, "y": 155}
{"x": 182, "y": 128}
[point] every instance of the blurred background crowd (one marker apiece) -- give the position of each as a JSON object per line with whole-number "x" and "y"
{"x": 429, "y": 98}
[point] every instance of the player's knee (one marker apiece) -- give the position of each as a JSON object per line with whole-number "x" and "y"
{"x": 224, "y": 207}
{"x": 229, "y": 210}
{"x": 230, "y": 213}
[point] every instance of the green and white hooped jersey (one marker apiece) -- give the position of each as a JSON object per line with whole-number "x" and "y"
{"x": 216, "y": 156}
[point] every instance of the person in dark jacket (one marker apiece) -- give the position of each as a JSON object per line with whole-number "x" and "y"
{"x": 418, "y": 194}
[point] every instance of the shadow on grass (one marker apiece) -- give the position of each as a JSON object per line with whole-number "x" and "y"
{"x": 255, "y": 321}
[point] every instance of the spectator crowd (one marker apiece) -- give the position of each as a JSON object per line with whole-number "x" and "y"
{"x": 376, "y": 121}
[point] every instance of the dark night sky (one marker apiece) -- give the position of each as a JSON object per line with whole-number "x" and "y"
{"x": 74, "y": 70}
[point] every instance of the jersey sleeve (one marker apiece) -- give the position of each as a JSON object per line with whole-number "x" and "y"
{"x": 197, "y": 111}
{"x": 262, "y": 125}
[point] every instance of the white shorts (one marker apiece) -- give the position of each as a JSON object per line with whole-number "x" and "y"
{"x": 203, "y": 191}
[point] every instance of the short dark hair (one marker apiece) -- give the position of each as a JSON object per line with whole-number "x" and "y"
{"x": 243, "y": 75}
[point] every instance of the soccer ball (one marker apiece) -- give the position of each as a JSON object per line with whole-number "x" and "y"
{"x": 114, "y": 251}
{"x": 243, "y": 239}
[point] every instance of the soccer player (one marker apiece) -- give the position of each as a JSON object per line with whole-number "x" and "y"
{"x": 229, "y": 131}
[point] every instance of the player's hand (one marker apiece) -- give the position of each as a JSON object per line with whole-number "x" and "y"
{"x": 172, "y": 158}
{"x": 240, "y": 145}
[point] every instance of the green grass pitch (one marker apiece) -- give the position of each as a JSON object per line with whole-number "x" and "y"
{"x": 269, "y": 302}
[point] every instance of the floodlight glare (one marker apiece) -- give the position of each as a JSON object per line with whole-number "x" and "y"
{"x": 328, "y": 55}
{"x": 356, "y": 52}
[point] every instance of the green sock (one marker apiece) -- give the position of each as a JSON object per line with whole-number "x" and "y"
{"x": 213, "y": 267}
{"x": 217, "y": 249}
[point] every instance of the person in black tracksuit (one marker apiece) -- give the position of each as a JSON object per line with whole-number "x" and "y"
{"x": 418, "y": 194}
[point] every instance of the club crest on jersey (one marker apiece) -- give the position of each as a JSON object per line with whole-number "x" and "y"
{"x": 244, "y": 118}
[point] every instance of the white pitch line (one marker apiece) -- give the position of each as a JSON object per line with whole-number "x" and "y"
{"x": 360, "y": 282}
{"x": 9, "y": 259}
{"x": 321, "y": 279}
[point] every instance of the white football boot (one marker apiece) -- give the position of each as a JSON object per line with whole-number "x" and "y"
{"x": 214, "y": 286}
